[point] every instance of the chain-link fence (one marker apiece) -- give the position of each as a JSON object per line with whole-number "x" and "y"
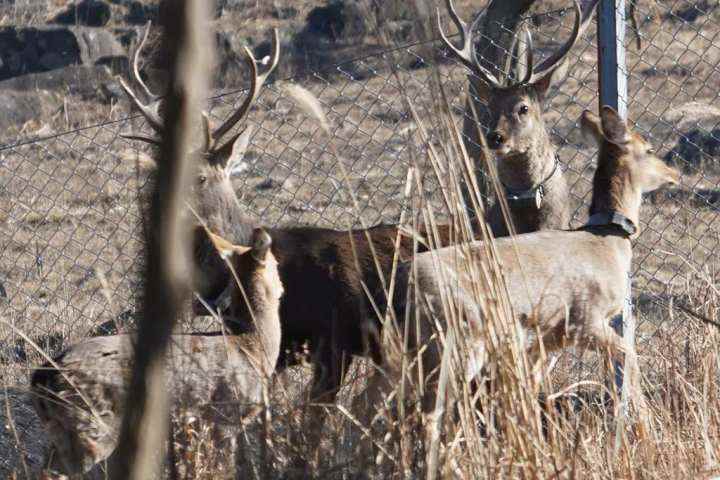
{"x": 69, "y": 224}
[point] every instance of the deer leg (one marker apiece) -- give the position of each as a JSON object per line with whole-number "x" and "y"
{"x": 602, "y": 337}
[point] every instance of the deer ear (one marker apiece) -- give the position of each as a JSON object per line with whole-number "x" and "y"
{"x": 591, "y": 127}
{"x": 225, "y": 248}
{"x": 613, "y": 126}
{"x": 232, "y": 154}
{"x": 552, "y": 78}
{"x": 261, "y": 243}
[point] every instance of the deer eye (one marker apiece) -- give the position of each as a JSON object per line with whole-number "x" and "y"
{"x": 523, "y": 110}
{"x": 201, "y": 179}
{"x": 650, "y": 151}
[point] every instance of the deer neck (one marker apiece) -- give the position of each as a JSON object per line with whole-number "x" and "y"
{"x": 230, "y": 222}
{"x": 613, "y": 189}
{"x": 263, "y": 333}
{"x": 527, "y": 170}
{"x": 268, "y": 333}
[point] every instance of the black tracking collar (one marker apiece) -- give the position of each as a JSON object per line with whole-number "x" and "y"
{"x": 613, "y": 219}
{"x": 532, "y": 196}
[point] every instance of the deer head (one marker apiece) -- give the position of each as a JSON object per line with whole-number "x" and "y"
{"x": 516, "y": 124}
{"x": 256, "y": 289}
{"x": 212, "y": 196}
{"x": 627, "y": 165}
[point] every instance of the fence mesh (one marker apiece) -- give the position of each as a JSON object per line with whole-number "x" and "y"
{"x": 70, "y": 234}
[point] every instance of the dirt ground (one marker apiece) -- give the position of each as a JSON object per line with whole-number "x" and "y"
{"x": 69, "y": 224}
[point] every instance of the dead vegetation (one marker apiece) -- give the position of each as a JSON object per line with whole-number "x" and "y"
{"x": 70, "y": 246}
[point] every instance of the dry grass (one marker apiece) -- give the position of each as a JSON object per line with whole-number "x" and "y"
{"x": 69, "y": 224}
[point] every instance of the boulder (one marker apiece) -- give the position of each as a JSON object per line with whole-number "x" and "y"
{"x": 92, "y": 13}
{"x": 139, "y": 12}
{"x": 697, "y": 150}
{"x": 698, "y": 145}
{"x": 18, "y": 108}
{"x": 26, "y": 50}
{"x": 78, "y": 80}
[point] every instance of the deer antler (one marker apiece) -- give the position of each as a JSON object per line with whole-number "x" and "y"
{"x": 256, "y": 83}
{"x": 553, "y": 60}
{"x": 466, "y": 54}
{"x": 151, "y": 110}
{"x": 210, "y": 138}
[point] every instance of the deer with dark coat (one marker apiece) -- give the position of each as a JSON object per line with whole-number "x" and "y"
{"x": 327, "y": 273}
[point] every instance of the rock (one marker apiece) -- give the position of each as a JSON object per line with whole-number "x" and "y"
{"x": 80, "y": 80}
{"x": 92, "y": 13}
{"x": 31, "y": 436}
{"x": 18, "y": 108}
{"x": 267, "y": 184}
{"x": 690, "y": 13}
{"x": 26, "y": 50}
{"x": 96, "y": 44}
{"x": 284, "y": 13}
{"x": 327, "y": 21}
{"x": 139, "y": 12}
{"x": 698, "y": 146}
{"x": 697, "y": 150}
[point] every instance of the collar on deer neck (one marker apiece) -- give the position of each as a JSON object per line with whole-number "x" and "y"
{"x": 615, "y": 220}
{"x": 532, "y": 196}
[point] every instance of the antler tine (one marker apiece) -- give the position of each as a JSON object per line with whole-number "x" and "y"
{"x": 256, "y": 83}
{"x": 142, "y": 138}
{"x": 151, "y": 114}
{"x": 560, "y": 55}
{"x": 136, "y": 61}
{"x": 528, "y": 56}
{"x": 507, "y": 65}
{"x": 466, "y": 54}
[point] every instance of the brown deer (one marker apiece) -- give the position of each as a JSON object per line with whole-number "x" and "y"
{"x": 564, "y": 286}
{"x": 325, "y": 271}
{"x": 212, "y": 198}
{"x": 325, "y": 305}
{"x": 79, "y": 395}
{"x": 525, "y": 158}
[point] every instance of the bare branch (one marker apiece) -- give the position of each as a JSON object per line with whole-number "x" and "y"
{"x": 144, "y": 426}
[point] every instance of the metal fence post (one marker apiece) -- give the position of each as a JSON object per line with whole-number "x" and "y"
{"x": 613, "y": 92}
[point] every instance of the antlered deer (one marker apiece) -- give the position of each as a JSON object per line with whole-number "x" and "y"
{"x": 564, "y": 286}
{"x": 525, "y": 158}
{"x": 325, "y": 271}
{"x": 325, "y": 304}
{"x": 79, "y": 395}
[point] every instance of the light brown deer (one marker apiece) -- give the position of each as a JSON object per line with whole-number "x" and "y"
{"x": 212, "y": 197}
{"x": 525, "y": 158}
{"x": 564, "y": 286}
{"x": 79, "y": 395}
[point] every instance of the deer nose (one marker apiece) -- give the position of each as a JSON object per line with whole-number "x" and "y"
{"x": 496, "y": 139}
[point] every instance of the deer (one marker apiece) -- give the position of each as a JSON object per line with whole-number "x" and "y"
{"x": 327, "y": 273}
{"x": 325, "y": 305}
{"x": 79, "y": 394}
{"x": 564, "y": 286}
{"x": 525, "y": 159}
